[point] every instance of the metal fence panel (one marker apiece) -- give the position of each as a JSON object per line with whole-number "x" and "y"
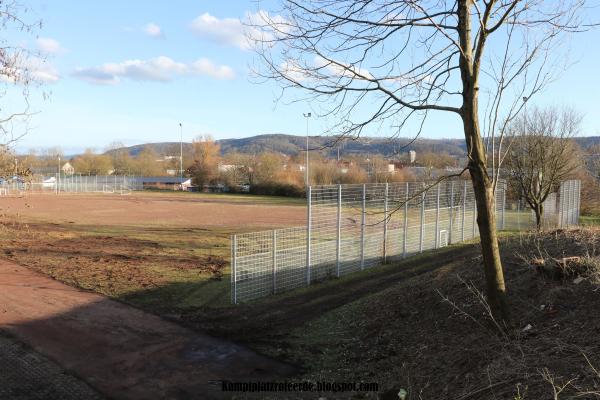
{"x": 360, "y": 226}
{"x": 119, "y": 184}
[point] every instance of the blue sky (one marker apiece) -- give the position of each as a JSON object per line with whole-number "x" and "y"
{"x": 130, "y": 71}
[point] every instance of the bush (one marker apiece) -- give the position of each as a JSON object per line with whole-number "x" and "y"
{"x": 278, "y": 189}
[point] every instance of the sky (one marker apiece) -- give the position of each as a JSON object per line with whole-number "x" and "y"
{"x": 132, "y": 71}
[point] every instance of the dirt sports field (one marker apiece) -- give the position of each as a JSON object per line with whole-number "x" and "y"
{"x": 162, "y": 252}
{"x": 122, "y": 246}
{"x": 159, "y": 209}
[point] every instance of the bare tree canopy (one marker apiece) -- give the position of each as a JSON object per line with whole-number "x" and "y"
{"x": 542, "y": 153}
{"x": 17, "y": 74}
{"x": 388, "y": 64}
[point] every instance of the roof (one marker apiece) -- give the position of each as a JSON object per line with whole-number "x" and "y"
{"x": 162, "y": 179}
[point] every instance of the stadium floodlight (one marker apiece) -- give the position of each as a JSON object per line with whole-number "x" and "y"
{"x": 58, "y": 177}
{"x": 307, "y": 177}
{"x": 181, "y": 154}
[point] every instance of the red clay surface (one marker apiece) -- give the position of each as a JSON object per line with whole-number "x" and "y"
{"x": 154, "y": 209}
{"x": 119, "y": 350}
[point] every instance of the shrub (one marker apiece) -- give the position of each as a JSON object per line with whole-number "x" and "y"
{"x": 278, "y": 189}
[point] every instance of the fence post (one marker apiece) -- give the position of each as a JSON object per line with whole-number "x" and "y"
{"x": 274, "y": 261}
{"x": 362, "y": 228}
{"x": 565, "y": 205}
{"x": 422, "y": 222}
{"x": 234, "y": 268}
{"x": 308, "y": 229}
{"x": 339, "y": 232}
{"x": 519, "y": 213}
{"x": 464, "y": 210}
{"x": 451, "y": 212}
{"x": 405, "y": 227}
{"x": 578, "y": 201}
{"x": 573, "y": 196}
{"x": 437, "y": 217}
{"x": 385, "y": 222}
{"x": 474, "y": 216}
{"x": 503, "y": 203}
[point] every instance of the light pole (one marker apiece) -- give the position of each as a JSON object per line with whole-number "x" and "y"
{"x": 307, "y": 116}
{"x": 181, "y": 153}
{"x": 58, "y": 177}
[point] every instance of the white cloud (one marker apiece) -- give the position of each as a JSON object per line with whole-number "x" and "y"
{"x": 42, "y": 71}
{"x": 159, "y": 69}
{"x": 153, "y": 30}
{"x": 49, "y": 46}
{"x": 227, "y": 31}
{"x": 233, "y": 32}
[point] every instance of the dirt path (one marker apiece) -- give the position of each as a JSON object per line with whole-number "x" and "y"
{"x": 119, "y": 350}
{"x": 243, "y": 323}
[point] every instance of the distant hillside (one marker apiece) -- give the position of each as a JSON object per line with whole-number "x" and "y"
{"x": 292, "y": 145}
{"x": 164, "y": 148}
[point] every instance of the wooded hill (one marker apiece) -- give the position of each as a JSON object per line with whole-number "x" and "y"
{"x": 292, "y": 145}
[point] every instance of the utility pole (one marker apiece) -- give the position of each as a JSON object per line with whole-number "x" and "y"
{"x": 307, "y": 116}
{"x": 58, "y": 177}
{"x": 181, "y": 154}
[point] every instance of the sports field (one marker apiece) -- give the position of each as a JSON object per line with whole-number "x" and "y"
{"x": 151, "y": 248}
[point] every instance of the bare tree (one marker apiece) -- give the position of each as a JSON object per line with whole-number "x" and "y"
{"x": 17, "y": 74}
{"x": 19, "y": 67}
{"x": 542, "y": 153}
{"x": 388, "y": 64}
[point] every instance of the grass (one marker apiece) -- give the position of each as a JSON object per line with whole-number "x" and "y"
{"x": 232, "y": 197}
{"x": 590, "y": 220}
{"x": 408, "y": 336}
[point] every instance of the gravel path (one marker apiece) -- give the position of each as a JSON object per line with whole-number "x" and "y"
{"x": 27, "y": 375}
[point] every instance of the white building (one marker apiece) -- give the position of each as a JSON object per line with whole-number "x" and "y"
{"x": 412, "y": 156}
{"x": 68, "y": 169}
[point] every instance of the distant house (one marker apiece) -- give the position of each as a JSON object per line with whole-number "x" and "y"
{"x": 165, "y": 182}
{"x": 68, "y": 169}
{"x": 227, "y": 167}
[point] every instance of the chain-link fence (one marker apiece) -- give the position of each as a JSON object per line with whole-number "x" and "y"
{"x": 121, "y": 184}
{"x": 355, "y": 227}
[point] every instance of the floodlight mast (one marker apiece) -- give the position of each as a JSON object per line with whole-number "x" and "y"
{"x": 181, "y": 155}
{"x": 307, "y": 176}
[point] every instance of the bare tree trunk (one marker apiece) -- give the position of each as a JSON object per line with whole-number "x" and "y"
{"x": 539, "y": 211}
{"x": 486, "y": 221}
{"x": 482, "y": 184}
